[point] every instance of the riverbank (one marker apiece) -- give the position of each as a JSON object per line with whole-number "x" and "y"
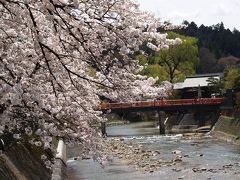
{"x": 21, "y": 160}
{"x": 117, "y": 122}
{"x": 152, "y": 157}
{"x": 227, "y": 129}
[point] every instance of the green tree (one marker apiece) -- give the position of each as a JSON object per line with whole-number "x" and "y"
{"x": 152, "y": 69}
{"x": 143, "y": 60}
{"x": 232, "y": 81}
{"x": 180, "y": 60}
{"x": 217, "y": 85}
{"x": 232, "y": 78}
{"x": 172, "y": 64}
{"x": 155, "y": 70}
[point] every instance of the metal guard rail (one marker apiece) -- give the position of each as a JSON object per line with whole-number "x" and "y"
{"x": 157, "y": 103}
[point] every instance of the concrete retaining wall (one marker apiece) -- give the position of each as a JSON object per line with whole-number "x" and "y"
{"x": 227, "y": 129}
{"x": 22, "y": 162}
{"x": 8, "y": 170}
{"x": 59, "y": 170}
{"x": 60, "y": 167}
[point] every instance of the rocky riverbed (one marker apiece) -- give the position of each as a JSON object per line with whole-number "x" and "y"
{"x": 149, "y": 161}
{"x": 153, "y": 157}
{"x": 140, "y": 157}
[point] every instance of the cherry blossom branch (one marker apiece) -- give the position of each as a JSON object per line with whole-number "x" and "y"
{"x": 4, "y": 80}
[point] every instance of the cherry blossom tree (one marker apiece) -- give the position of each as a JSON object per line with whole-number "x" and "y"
{"x": 57, "y": 56}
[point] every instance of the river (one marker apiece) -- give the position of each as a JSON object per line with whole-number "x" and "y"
{"x": 204, "y": 157}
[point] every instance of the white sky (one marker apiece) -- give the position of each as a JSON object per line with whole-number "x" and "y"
{"x": 207, "y": 12}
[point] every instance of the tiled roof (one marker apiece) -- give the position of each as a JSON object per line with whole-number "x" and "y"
{"x": 195, "y": 81}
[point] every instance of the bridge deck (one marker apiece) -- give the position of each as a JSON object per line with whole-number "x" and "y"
{"x": 179, "y": 104}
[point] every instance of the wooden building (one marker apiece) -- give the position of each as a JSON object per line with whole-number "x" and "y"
{"x": 196, "y": 86}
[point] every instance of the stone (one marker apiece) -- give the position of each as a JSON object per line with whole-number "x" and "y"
{"x": 212, "y": 170}
{"x": 176, "y": 170}
{"x": 152, "y": 165}
{"x": 177, "y": 159}
{"x": 228, "y": 166}
{"x": 146, "y": 154}
{"x": 177, "y": 152}
{"x": 195, "y": 169}
{"x": 155, "y": 153}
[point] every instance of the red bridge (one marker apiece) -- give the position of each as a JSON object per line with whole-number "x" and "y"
{"x": 202, "y": 104}
{"x": 164, "y": 105}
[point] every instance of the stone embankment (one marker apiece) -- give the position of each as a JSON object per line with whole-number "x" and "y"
{"x": 137, "y": 155}
{"x": 20, "y": 161}
{"x": 227, "y": 129}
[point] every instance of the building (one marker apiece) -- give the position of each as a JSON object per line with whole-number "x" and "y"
{"x": 196, "y": 86}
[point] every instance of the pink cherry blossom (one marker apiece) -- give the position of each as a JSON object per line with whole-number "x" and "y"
{"x": 58, "y": 56}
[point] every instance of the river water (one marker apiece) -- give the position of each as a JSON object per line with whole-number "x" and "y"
{"x": 203, "y": 157}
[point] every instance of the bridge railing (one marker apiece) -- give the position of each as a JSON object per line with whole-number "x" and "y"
{"x": 157, "y": 103}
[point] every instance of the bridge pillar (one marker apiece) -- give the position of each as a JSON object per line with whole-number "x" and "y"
{"x": 103, "y": 129}
{"x": 161, "y": 123}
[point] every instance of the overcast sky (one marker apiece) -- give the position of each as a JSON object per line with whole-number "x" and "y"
{"x": 207, "y": 12}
